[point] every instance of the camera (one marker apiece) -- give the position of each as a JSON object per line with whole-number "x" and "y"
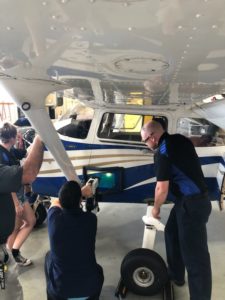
{"x": 94, "y": 184}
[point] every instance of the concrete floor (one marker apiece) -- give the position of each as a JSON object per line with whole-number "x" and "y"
{"x": 120, "y": 229}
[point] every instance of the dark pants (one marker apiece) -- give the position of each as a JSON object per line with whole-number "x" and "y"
{"x": 53, "y": 297}
{"x": 186, "y": 245}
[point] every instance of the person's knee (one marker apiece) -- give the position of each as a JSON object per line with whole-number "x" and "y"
{"x": 30, "y": 217}
{"x": 17, "y": 228}
{"x": 30, "y": 223}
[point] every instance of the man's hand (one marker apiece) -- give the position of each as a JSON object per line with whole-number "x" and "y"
{"x": 161, "y": 192}
{"x": 156, "y": 213}
{"x": 87, "y": 191}
{"x": 55, "y": 202}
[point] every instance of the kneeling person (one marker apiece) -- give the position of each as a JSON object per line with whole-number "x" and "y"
{"x": 70, "y": 265}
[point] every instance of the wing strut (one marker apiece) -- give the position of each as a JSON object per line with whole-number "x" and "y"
{"x": 30, "y": 94}
{"x": 43, "y": 125}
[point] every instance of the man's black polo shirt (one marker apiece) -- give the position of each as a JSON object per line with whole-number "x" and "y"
{"x": 176, "y": 160}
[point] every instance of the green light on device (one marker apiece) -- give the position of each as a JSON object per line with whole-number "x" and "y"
{"x": 107, "y": 180}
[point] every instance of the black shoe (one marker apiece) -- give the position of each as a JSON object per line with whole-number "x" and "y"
{"x": 179, "y": 282}
{"x": 22, "y": 261}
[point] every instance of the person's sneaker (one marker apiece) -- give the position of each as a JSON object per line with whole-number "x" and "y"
{"x": 22, "y": 261}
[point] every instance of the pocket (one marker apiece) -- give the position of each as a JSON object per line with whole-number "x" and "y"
{"x": 198, "y": 209}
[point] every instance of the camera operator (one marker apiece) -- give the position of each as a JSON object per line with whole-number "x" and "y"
{"x": 70, "y": 266}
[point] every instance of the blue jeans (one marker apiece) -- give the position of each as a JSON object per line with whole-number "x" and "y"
{"x": 186, "y": 245}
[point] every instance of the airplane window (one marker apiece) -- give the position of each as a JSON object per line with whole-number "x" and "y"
{"x": 201, "y": 132}
{"x": 121, "y": 127}
{"x": 76, "y": 129}
{"x": 125, "y": 127}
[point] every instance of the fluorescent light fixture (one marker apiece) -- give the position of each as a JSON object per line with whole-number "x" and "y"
{"x": 136, "y": 93}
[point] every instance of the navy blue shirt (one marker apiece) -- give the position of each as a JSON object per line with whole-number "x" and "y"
{"x": 176, "y": 161}
{"x": 8, "y": 157}
{"x": 73, "y": 269}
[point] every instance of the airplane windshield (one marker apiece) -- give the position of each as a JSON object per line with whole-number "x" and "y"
{"x": 76, "y": 119}
{"x": 201, "y": 132}
{"x": 76, "y": 129}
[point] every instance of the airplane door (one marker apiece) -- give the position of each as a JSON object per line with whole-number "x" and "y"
{"x": 117, "y": 144}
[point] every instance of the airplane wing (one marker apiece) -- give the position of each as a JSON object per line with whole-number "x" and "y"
{"x": 163, "y": 53}
{"x": 111, "y": 52}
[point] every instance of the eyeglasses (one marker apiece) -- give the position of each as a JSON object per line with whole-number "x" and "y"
{"x": 146, "y": 140}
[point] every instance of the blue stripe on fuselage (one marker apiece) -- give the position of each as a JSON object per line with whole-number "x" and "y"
{"x": 82, "y": 146}
{"x": 207, "y": 160}
{"x": 51, "y": 185}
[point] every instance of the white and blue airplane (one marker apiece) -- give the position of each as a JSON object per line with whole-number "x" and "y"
{"x": 128, "y": 61}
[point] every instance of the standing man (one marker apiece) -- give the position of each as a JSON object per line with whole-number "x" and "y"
{"x": 11, "y": 179}
{"x": 179, "y": 173}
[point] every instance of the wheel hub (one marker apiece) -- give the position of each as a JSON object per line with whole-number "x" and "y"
{"x": 143, "y": 277}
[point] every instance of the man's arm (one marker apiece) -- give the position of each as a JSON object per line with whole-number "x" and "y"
{"x": 11, "y": 177}
{"x": 161, "y": 192}
{"x": 33, "y": 161}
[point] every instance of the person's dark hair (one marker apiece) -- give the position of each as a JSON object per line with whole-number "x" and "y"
{"x": 70, "y": 195}
{"x": 7, "y": 132}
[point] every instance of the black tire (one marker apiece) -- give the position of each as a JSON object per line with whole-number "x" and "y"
{"x": 40, "y": 214}
{"x": 144, "y": 272}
